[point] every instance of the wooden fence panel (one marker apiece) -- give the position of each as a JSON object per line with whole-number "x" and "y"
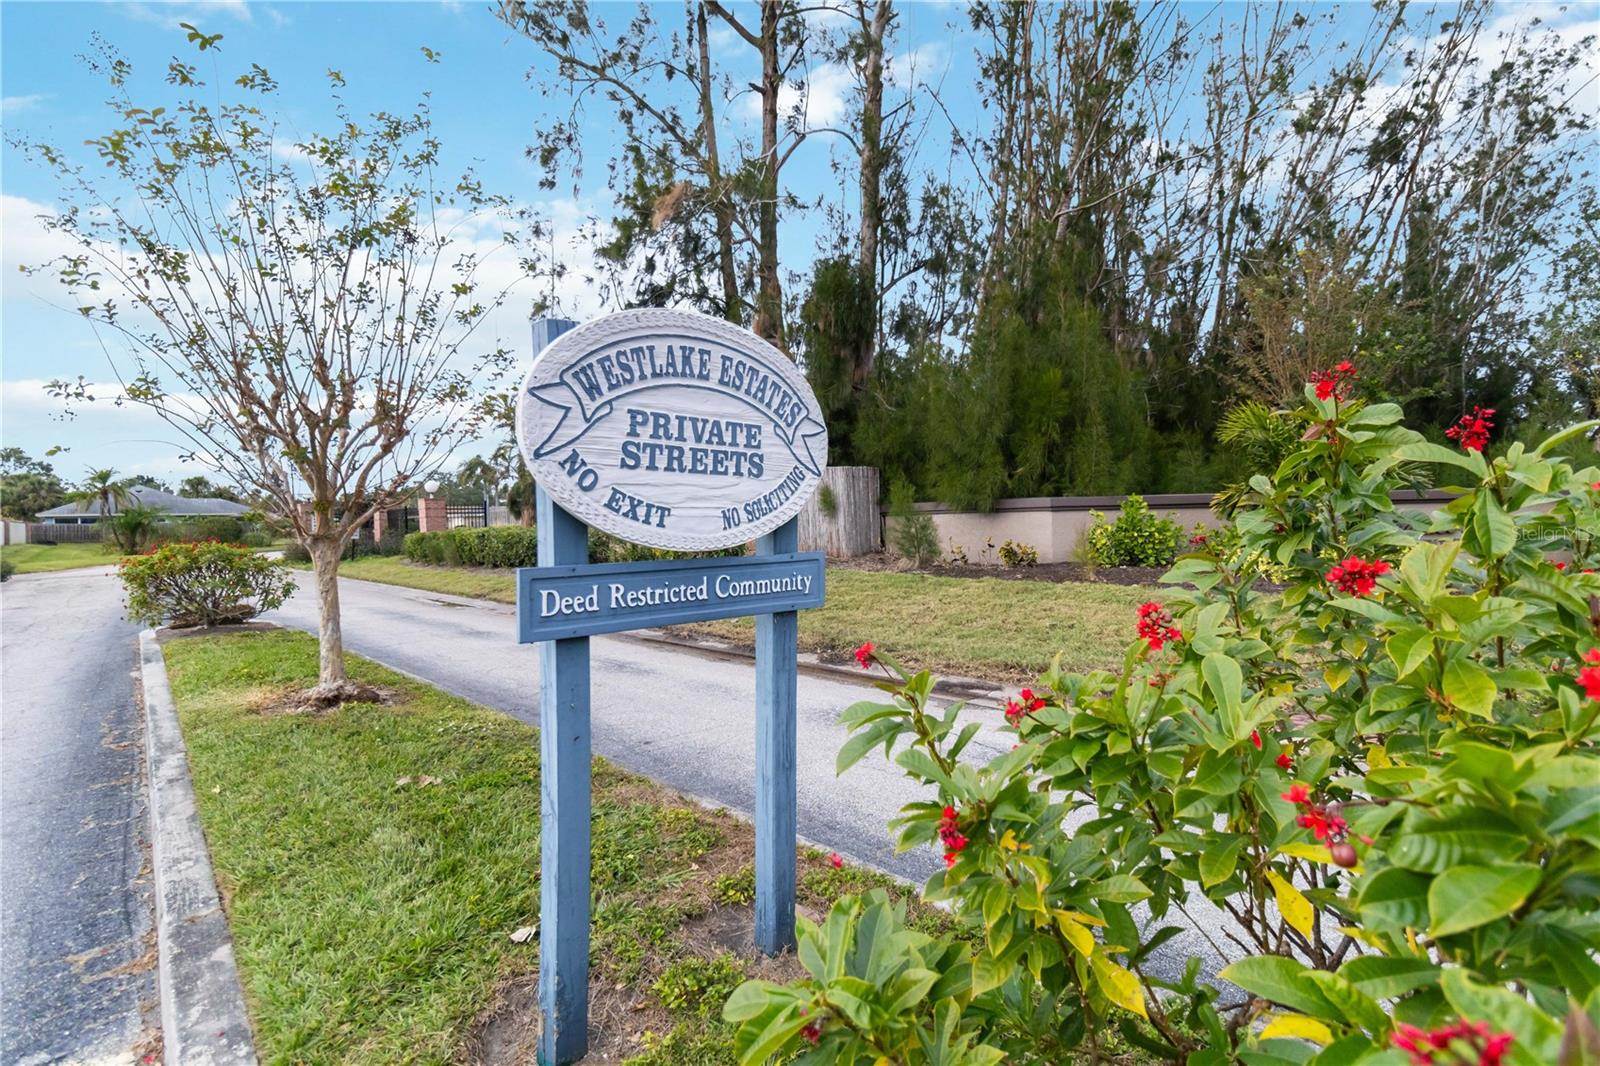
{"x": 855, "y": 524}
{"x": 44, "y": 533}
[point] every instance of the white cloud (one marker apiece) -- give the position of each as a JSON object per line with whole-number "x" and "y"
{"x": 818, "y": 100}
{"x": 16, "y": 105}
{"x": 190, "y": 11}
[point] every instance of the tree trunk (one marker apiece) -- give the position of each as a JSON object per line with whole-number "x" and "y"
{"x": 873, "y": 33}
{"x": 721, "y": 198}
{"x": 333, "y": 684}
{"x": 769, "y": 297}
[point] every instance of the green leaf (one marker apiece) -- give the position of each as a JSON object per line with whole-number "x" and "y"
{"x": 864, "y": 740}
{"x": 1469, "y": 687}
{"x": 1427, "y": 452}
{"x": 1218, "y": 863}
{"x": 1536, "y": 1036}
{"x": 1409, "y": 649}
{"x": 1359, "y": 1007}
{"x": 1120, "y": 888}
{"x": 1226, "y": 682}
{"x": 1385, "y": 978}
{"x": 1465, "y": 897}
{"x": 1394, "y": 897}
{"x": 1434, "y": 843}
{"x": 1495, "y": 529}
{"x": 1282, "y": 981}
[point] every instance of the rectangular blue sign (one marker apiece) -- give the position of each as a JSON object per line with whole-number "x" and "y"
{"x": 557, "y": 602}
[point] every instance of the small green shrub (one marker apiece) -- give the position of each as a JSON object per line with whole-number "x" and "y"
{"x": 295, "y": 552}
{"x": 1016, "y": 553}
{"x": 736, "y": 888}
{"x": 7, "y": 568}
{"x": 255, "y": 538}
{"x": 700, "y": 985}
{"x": 915, "y": 536}
{"x": 1139, "y": 537}
{"x": 391, "y": 543}
{"x": 204, "y": 584}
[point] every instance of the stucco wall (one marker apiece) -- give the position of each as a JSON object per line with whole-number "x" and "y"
{"x": 1055, "y": 525}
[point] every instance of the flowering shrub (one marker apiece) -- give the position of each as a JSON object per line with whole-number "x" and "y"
{"x": 203, "y": 583}
{"x": 1375, "y": 791}
{"x": 1138, "y": 537}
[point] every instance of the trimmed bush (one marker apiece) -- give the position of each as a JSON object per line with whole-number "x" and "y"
{"x": 7, "y": 568}
{"x": 495, "y": 546}
{"x": 203, "y": 584}
{"x": 295, "y": 552}
{"x": 1139, "y": 537}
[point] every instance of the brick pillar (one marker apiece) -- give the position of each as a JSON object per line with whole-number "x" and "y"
{"x": 380, "y": 523}
{"x": 431, "y": 515}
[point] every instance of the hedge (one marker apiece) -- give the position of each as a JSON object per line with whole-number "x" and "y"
{"x": 497, "y": 546}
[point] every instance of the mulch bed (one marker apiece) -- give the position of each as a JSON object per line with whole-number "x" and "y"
{"x": 883, "y": 562}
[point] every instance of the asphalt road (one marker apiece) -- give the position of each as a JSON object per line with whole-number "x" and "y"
{"x": 75, "y": 904}
{"x": 682, "y": 717}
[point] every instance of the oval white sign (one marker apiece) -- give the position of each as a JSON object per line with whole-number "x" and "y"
{"x": 671, "y": 429}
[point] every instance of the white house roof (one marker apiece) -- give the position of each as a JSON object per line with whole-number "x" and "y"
{"x": 144, "y": 496}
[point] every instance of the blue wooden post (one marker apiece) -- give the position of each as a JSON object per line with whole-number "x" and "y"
{"x": 564, "y": 747}
{"x": 776, "y": 795}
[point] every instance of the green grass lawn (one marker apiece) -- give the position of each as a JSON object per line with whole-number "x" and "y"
{"x": 982, "y": 627}
{"x": 372, "y": 915}
{"x": 40, "y": 558}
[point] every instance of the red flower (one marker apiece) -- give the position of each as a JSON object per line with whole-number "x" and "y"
{"x": 1561, "y": 566}
{"x": 1255, "y": 738}
{"x": 1356, "y": 576}
{"x": 1335, "y": 383}
{"x": 1461, "y": 1044}
{"x": 864, "y": 655}
{"x": 1589, "y": 676}
{"x": 1323, "y": 825}
{"x": 951, "y": 836}
{"x": 1298, "y": 794}
{"x": 1472, "y": 431}
{"x": 1155, "y": 626}
{"x": 835, "y": 860}
{"x": 812, "y": 1032}
{"x": 1026, "y": 704}
{"x": 1286, "y": 760}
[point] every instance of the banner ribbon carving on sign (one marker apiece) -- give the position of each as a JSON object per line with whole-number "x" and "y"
{"x": 586, "y": 394}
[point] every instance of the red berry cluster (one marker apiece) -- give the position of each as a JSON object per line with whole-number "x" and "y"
{"x": 811, "y": 1032}
{"x": 864, "y": 655}
{"x": 951, "y": 835}
{"x": 1462, "y": 1044}
{"x": 1472, "y": 431}
{"x": 1027, "y": 704}
{"x": 1589, "y": 676}
{"x": 1325, "y": 824}
{"x": 1356, "y": 576}
{"x": 1335, "y": 383}
{"x": 1155, "y": 626}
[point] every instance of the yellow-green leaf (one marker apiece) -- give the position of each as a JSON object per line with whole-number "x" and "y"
{"x": 1076, "y": 935}
{"x": 1120, "y": 986}
{"x": 1294, "y": 906}
{"x": 1299, "y": 1027}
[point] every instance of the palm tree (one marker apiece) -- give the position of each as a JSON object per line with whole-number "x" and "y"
{"x": 104, "y": 487}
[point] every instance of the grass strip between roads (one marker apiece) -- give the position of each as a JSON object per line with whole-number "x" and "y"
{"x": 375, "y": 861}
{"x": 983, "y": 627}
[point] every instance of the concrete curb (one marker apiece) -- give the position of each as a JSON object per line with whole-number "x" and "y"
{"x": 953, "y": 686}
{"x": 203, "y": 1016}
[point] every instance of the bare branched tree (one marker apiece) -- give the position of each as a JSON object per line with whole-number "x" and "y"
{"x": 307, "y": 317}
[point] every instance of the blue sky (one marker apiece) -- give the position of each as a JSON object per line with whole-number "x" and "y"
{"x": 485, "y": 112}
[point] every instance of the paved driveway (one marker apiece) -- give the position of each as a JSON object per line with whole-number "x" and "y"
{"x": 75, "y": 906}
{"x": 685, "y": 718}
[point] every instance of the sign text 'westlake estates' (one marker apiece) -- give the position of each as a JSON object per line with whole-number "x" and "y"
{"x": 558, "y": 602}
{"x": 671, "y": 429}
